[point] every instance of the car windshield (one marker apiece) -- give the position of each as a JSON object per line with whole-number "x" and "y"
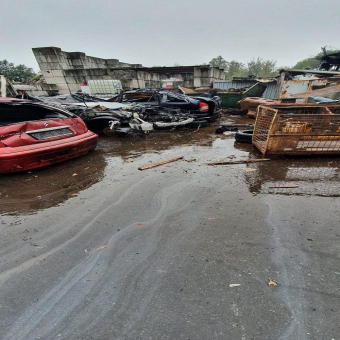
{"x": 14, "y": 113}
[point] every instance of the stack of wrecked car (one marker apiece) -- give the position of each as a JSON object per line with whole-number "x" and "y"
{"x": 203, "y": 109}
{"x": 142, "y": 110}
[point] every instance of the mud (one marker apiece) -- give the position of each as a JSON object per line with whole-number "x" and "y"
{"x": 94, "y": 248}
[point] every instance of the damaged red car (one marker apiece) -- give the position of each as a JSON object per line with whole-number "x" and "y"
{"x": 33, "y": 135}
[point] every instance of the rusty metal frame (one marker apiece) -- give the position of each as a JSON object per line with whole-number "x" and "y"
{"x": 297, "y": 129}
{"x": 261, "y": 125}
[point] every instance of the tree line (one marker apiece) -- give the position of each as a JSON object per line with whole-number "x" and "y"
{"x": 262, "y": 68}
{"x": 257, "y": 67}
{"x": 19, "y": 73}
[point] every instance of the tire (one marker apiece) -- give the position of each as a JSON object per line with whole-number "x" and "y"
{"x": 236, "y": 112}
{"x": 108, "y": 132}
{"x": 225, "y": 128}
{"x": 245, "y": 136}
{"x": 199, "y": 124}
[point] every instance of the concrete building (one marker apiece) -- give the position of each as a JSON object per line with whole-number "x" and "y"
{"x": 66, "y": 71}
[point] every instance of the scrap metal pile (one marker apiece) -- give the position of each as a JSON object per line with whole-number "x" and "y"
{"x": 138, "y": 110}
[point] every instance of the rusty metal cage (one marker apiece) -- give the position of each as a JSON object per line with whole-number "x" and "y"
{"x": 297, "y": 129}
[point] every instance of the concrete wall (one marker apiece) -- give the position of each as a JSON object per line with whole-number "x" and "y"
{"x": 67, "y": 71}
{"x": 187, "y": 78}
{"x": 204, "y": 76}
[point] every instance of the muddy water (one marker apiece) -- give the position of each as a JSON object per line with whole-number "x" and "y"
{"x": 47, "y": 187}
{"x": 95, "y": 248}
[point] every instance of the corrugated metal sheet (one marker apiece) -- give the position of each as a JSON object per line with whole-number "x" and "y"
{"x": 291, "y": 87}
{"x": 228, "y": 84}
{"x": 320, "y": 92}
{"x": 272, "y": 91}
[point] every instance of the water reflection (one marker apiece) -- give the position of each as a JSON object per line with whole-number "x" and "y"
{"x": 315, "y": 176}
{"x": 156, "y": 141}
{"x": 46, "y": 187}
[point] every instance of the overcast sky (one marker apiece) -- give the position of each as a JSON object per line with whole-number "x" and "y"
{"x": 157, "y": 32}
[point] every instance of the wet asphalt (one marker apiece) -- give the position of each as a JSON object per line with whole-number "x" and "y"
{"x": 94, "y": 248}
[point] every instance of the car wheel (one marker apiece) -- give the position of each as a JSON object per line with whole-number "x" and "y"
{"x": 108, "y": 132}
{"x": 244, "y": 136}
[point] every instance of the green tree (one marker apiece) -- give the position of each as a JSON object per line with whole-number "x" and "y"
{"x": 17, "y": 73}
{"x": 308, "y": 63}
{"x": 262, "y": 68}
{"x": 218, "y": 62}
{"x": 313, "y": 62}
{"x": 235, "y": 69}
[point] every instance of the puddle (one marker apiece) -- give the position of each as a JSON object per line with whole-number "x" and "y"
{"x": 28, "y": 192}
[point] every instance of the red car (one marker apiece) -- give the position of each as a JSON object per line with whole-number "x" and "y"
{"x": 33, "y": 135}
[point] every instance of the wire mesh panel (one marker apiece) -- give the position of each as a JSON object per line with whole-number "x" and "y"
{"x": 265, "y": 117}
{"x": 319, "y": 133}
{"x": 299, "y": 130}
{"x": 105, "y": 86}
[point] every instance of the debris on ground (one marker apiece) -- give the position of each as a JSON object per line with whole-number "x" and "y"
{"x": 234, "y": 285}
{"x": 272, "y": 283}
{"x": 233, "y": 127}
{"x": 245, "y": 136}
{"x": 145, "y": 167}
{"x": 240, "y": 162}
{"x": 132, "y": 156}
{"x": 283, "y": 186}
{"x": 224, "y": 128}
{"x": 101, "y": 247}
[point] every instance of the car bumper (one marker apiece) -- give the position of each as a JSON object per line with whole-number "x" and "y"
{"x": 209, "y": 117}
{"x": 14, "y": 159}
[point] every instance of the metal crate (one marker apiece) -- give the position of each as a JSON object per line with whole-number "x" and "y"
{"x": 298, "y": 129}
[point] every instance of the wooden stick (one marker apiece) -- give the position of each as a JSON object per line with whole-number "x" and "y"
{"x": 284, "y": 186}
{"x": 160, "y": 163}
{"x": 236, "y": 125}
{"x": 240, "y": 162}
{"x": 133, "y": 156}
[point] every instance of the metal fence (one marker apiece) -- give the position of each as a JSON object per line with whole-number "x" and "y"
{"x": 298, "y": 130}
{"x": 263, "y": 123}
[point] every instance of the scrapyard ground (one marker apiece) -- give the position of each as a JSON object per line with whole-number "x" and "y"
{"x": 95, "y": 249}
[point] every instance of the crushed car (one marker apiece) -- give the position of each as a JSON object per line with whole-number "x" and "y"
{"x": 102, "y": 118}
{"x": 201, "y": 108}
{"x": 140, "y": 110}
{"x": 33, "y": 135}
